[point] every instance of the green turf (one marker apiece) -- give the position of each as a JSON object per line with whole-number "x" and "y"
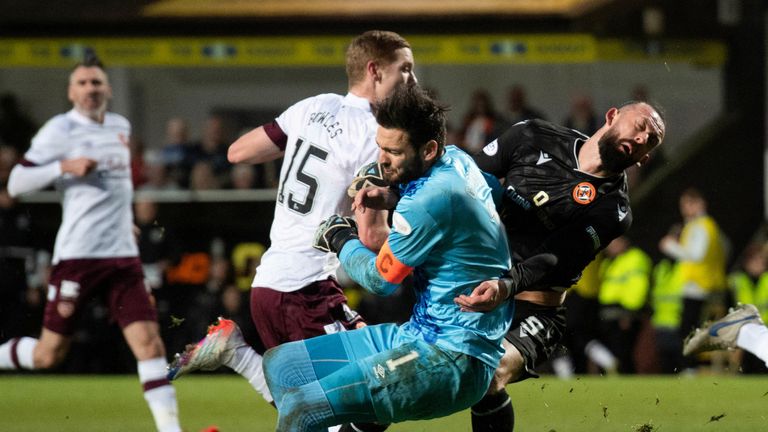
{"x": 642, "y": 403}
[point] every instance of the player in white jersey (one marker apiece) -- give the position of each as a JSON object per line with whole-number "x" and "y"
{"x": 324, "y": 140}
{"x": 84, "y": 153}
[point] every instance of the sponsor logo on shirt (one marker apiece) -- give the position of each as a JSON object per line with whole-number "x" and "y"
{"x": 518, "y": 199}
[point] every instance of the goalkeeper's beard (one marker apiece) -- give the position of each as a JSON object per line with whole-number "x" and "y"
{"x": 407, "y": 172}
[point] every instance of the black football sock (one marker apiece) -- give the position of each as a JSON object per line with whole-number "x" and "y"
{"x": 364, "y": 427}
{"x": 494, "y": 413}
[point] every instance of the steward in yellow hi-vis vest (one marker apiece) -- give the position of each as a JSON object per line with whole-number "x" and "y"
{"x": 589, "y": 283}
{"x": 626, "y": 279}
{"x": 666, "y": 295}
{"x": 626, "y": 274}
{"x": 667, "y": 304}
{"x": 700, "y": 249}
{"x": 708, "y": 272}
{"x": 700, "y": 255}
{"x": 749, "y": 285}
{"x": 749, "y": 291}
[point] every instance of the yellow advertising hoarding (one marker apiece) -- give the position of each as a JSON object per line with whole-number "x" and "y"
{"x": 329, "y": 51}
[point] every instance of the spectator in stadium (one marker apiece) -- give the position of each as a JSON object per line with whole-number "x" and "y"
{"x": 158, "y": 178}
{"x": 482, "y": 124}
{"x": 176, "y": 153}
{"x": 565, "y": 194}
{"x": 242, "y": 177}
{"x": 212, "y": 148}
{"x": 741, "y": 328}
{"x": 158, "y": 245}
{"x": 667, "y": 306}
{"x": 582, "y": 319}
{"x": 626, "y": 275}
{"x": 16, "y": 251}
{"x": 203, "y": 176}
{"x": 138, "y": 164}
{"x": 323, "y": 139}
{"x": 440, "y": 361}
{"x": 518, "y": 108}
{"x": 582, "y": 116}
{"x": 16, "y": 126}
{"x": 84, "y": 153}
{"x": 701, "y": 254}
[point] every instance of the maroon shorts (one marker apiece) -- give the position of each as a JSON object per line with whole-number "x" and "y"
{"x": 118, "y": 281}
{"x": 317, "y": 309}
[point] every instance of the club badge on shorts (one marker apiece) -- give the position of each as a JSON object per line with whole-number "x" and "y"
{"x": 584, "y": 193}
{"x": 65, "y": 308}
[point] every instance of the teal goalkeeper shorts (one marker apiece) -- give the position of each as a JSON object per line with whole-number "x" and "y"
{"x": 368, "y": 376}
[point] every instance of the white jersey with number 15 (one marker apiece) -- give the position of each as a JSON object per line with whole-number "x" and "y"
{"x": 329, "y": 138}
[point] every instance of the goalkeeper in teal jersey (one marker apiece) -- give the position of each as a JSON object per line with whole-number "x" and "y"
{"x": 446, "y": 232}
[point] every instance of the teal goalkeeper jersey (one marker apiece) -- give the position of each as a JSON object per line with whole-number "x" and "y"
{"x": 447, "y": 233}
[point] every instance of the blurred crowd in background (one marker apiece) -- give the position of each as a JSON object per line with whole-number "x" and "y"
{"x": 628, "y": 314}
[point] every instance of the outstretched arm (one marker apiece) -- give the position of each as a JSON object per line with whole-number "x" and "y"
{"x": 263, "y": 144}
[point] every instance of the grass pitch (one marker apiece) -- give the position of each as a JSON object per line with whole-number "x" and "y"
{"x": 33, "y": 403}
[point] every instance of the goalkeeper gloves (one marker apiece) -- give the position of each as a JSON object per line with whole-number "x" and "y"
{"x": 333, "y": 233}
{"x": 369, "y": 175}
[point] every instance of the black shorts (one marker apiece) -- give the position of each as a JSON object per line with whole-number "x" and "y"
{"x": 536, "y": 331}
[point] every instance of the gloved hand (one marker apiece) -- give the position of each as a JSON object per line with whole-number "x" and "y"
{"x": 368, "y": 175}
{"x": 334, "y": 232}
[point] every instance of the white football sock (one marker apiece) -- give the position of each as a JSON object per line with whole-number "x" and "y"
{"x": 24, "y": 352}
{"x": 754, "y": 338}
{"x": 248, "y": 363}
{"x": 159, "y": 394}
{"x": 602, "y": 356}
{"x": 563, "y": 367}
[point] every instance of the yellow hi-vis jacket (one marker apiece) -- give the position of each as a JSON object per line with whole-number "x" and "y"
{"x": 626, "y": 279}
{"x": 747, "y": 292}
{"x": 666, "y": 295}
{"x": 589, "y": 283}
{"x": 709, "y": 273}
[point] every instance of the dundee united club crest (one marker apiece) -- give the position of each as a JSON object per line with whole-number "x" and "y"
{"x": 584, "y": 193}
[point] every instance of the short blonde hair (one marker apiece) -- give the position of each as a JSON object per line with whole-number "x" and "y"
{"x": 375, "y": 45}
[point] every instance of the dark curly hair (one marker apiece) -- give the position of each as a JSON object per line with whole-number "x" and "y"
{"x": 412, "y": 110}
